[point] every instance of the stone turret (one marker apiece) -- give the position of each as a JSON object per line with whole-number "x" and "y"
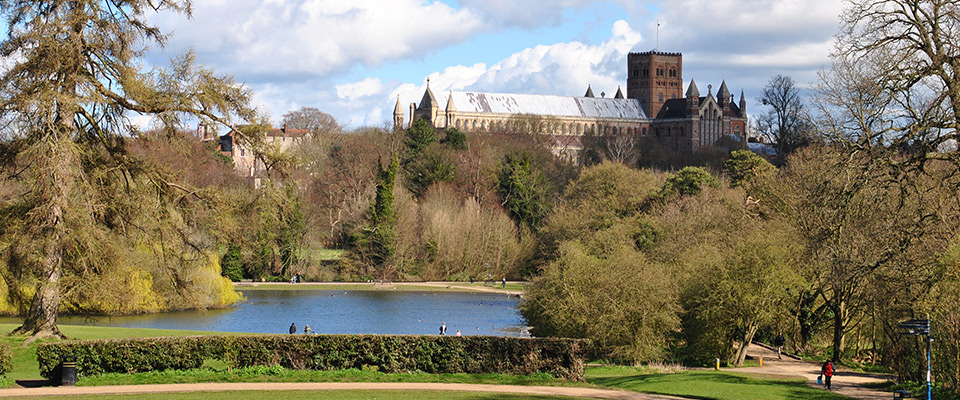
{"x": 589, "y": 92}
{"x": 619, "y": 94}
{"x": 693, "y": 98}
{"x": 743, "y": 104}
{"x": 723, "y": 95}
{"x": 451, "y": 110}
{"x": 398, "y": 116}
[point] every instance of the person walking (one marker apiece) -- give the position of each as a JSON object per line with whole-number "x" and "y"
{"x": 504, "y": 282}
{"x": 827, "y": 370}
{"x": 443, "y": 328}
{"x": 307, "y": 330}
{"x": 293, "y": 328}
{"x": 779, "y": 342}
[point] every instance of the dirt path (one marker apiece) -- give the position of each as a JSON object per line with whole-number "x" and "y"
{"x": 387, "y": 286}
{"x": 219, "y": 387}
{"x": 845, "y": 382}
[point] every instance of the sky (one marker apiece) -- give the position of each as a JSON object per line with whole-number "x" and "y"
{"x": 353, "y": 58}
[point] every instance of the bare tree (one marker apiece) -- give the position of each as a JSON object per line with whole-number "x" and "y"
{"x": 310, "y": 119}
{"x": 901, "y": 58}
{"x": 783, "y": 124}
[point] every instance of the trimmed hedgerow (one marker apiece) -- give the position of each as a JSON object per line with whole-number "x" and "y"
{"x": 6, "y": 359}
{"x": 562, "y": 358}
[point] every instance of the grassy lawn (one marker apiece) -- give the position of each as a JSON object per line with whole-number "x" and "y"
{"x": 718, "y": 385}
{"x": 25, "y": 365}
{"x": 307, "y": 394}
{"x": 721, "y": 385}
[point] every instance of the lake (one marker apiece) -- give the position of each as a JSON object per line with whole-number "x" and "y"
{"x": 351, "y": 312}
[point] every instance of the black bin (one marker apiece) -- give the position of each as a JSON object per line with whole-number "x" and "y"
{"x": 68, "y": 371}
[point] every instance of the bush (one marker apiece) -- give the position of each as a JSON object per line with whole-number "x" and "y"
{"x": 6, "y": 359}
{"x": 562, "y": 358}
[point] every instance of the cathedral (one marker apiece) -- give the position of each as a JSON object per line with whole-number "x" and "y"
{"x": 655, "y": 106}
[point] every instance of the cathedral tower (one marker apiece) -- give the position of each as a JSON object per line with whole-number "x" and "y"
{"x": 654, "y": 77}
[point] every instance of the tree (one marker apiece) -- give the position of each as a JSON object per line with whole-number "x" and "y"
{"x": 417, "y": 138}
{"x": 73, "y": 80}
{"x": 523, "y": 190}
{"x": 376, "y": 243}
{"x": 455, "y": 139}
{"x": 688, "y": 181}
{"x": 784, "y": 123}
{"x": 610, "y": 145}
{"x": 310, "y": 119}
{"x": 894, "y": 81}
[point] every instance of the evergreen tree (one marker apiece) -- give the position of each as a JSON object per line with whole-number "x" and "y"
{"x": 73, "y": 78}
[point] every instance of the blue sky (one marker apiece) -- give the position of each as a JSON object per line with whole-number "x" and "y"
{"x": 353, "y": 58}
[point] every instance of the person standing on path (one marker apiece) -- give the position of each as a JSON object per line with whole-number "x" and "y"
{"x": 504, "y": 282}
{"x": 779, "y": 342}
{"x": 443, "y": 328}
{"x": 307, "y": 330}
{"x": 827, "y": 370}
{"x": 293, "y": 328}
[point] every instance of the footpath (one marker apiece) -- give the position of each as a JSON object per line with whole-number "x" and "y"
{"x": 72, "y": 391}
{"x": 845, "y": 381}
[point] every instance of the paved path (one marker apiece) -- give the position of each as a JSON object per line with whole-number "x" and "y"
{"x": 387, "y": 286}
{"x": 845, "y": 382}
{"x": 219, "y": 387}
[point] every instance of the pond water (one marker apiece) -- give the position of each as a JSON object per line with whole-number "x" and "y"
{"x": 330, "y": 311}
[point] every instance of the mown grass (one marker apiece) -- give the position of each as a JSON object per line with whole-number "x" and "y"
{"x": 719, "y": 385}
{"x": 319, "y": 394}
{"x": 26, "y": 367}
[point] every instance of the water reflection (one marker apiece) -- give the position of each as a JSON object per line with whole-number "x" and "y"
{"x": 379, "y": 312}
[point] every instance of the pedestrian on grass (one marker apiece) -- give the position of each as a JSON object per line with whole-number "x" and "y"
{"x": 779, "y": 342}
{"x": 443, "y": 328}
{"x": 293, "y": 328}
{"x": 504, "y": 282}
{"x": 827, "y": 370}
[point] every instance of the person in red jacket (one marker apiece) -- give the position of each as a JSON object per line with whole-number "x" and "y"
{"x": 827, "y": 370}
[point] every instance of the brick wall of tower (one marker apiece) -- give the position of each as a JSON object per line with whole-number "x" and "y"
{"x": 653, "y": 78}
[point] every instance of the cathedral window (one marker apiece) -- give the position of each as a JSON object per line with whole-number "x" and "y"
{"x": 661, "y": 96}
{"x": 646, "y": 72}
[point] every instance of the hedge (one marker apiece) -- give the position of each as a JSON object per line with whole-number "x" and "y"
{"x": 562, "y": 358}
{"x": 6, "y": 359}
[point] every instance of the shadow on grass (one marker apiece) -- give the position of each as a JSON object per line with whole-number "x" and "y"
{"x": 715, "y": 385}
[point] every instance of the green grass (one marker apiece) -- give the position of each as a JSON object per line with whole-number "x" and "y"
{"x": 26, "y": 367}
{"x": 316, "y": 394}
{"x": 717, "y": 385}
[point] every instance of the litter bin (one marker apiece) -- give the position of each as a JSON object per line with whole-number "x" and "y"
{"x": 68, "y": 371}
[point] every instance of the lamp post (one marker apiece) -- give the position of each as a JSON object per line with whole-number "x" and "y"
{"x": 918, "y": 327}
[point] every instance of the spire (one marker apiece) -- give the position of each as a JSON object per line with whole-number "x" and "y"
{"x": 619, "y": 94}
{"x": 589, "y": 92}
{"x": 692, "y": 90}
{"x": 397, "y": 110}
{"x": 429, "y": 100}
{"x": 743, "y": 103}
{"x": 723, "y": 95}
{"x": 450, "y": 106}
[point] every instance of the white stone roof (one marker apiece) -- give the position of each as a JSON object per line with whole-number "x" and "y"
{"x": 557, "y": 106}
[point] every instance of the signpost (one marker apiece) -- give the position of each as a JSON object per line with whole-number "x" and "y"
{"x": 917, "y": 327}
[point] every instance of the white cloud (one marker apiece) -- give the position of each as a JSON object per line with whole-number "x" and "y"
{"x": 290, "y": 38}
{"x": 356, "y": 90}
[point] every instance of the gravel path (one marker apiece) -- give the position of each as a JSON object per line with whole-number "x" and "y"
{"x": 845, "y": 382}
{"x": 68, "y": 391}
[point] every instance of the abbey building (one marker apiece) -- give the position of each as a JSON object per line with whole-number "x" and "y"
{"x": 655, "y": 106}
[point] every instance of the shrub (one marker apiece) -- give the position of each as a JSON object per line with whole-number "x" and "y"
{"x": 6, "y": 359}
{"x": 562, "y": 358}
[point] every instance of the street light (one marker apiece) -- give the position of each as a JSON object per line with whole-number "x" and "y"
{"x": 917, "y": 327}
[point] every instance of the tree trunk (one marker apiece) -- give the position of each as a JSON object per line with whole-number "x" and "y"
{"x": 747, "y": 338}
{"x": 839, "y": 331}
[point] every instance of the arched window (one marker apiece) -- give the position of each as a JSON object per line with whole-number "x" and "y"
{"x": 646, "y": 72}
{"x": 661, "y": 96}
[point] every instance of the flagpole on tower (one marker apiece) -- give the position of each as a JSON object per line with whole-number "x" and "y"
{"x": 658, "y": 36}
